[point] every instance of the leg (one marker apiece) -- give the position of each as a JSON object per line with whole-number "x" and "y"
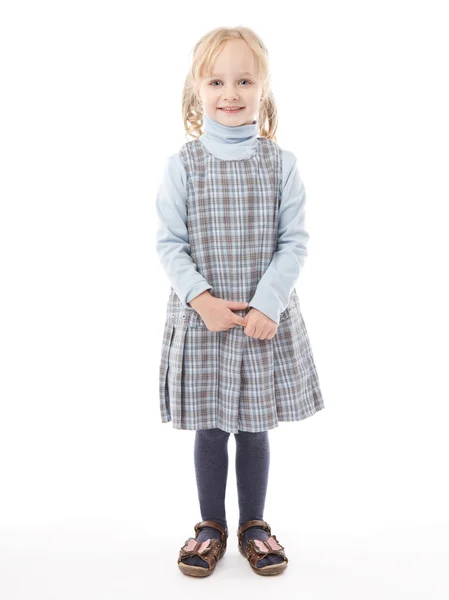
{"x": 211, "y": 468}
{"x": 252, "y": 461}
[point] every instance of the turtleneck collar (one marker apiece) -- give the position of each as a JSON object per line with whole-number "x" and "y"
{"x": 228, "y": 142}
{"x": 227, "y": 134}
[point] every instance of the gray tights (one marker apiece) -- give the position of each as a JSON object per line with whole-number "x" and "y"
{"x": 252, "y": 461}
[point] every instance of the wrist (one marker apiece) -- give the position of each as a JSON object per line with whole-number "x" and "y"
{"x": 201, "y": 300}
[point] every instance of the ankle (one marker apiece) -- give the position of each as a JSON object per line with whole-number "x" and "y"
{"x": 208, "y": 532}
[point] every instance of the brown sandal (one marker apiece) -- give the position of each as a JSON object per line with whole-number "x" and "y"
{"x": 210, "y": 550}
{"x": 255, "y": 549}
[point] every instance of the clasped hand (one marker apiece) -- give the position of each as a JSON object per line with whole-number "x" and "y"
{"x": 218, "y": 315}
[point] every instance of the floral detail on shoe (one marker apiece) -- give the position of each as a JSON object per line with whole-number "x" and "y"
{"x": 268, "y": 545}
{"x": 255, "y": 550}
{"x": 196, "y": 547}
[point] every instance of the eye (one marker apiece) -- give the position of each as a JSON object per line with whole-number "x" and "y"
{"x": 217, "y": 81}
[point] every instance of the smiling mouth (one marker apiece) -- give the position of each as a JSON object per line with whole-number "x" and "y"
{"x": 232, "y": 109}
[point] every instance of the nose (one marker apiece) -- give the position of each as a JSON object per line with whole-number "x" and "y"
{"x": 230, "y": 92}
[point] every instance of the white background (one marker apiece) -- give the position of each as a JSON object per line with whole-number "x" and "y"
{"x": 97, "y": 495}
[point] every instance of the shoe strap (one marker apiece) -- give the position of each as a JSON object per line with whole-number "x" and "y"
{"x": 253, "y": 523}
{"x": 209, "y": 523}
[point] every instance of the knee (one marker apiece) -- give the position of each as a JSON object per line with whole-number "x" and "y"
{"x": 212, "y": 435}
{"x": 250, "y": 438}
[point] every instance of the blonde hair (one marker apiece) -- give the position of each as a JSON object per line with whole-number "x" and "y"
{"x": 205, "y": 53}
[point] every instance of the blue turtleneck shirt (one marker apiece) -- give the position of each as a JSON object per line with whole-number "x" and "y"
{"x": 273, "y": 291}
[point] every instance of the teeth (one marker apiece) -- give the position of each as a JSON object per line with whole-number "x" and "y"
{"x": 230, "y": 109}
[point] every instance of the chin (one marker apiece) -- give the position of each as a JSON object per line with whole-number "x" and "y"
{"x": 231, "y": 120}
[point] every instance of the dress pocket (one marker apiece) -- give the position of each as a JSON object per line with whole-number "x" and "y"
{"x": 196, "y": 321}
{"x": 301, "y": 341}
{"x": 290, "y": 312}
{"x": 163, "y": 371}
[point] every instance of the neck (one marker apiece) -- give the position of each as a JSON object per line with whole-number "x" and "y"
{"x": 225, "y": 134}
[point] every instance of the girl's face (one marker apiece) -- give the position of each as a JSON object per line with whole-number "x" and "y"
{"x": 233, "y": 81}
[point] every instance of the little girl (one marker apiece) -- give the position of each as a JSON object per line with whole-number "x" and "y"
{"x": 236, "y": 357}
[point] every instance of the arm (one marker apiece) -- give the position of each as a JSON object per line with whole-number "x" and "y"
{"x": 276, "y": 284}
{"x": 172, "y": 238}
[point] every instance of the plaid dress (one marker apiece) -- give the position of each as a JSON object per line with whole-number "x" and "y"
{"x": 227, "y": 379}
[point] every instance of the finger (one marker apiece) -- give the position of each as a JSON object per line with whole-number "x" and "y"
{"x": 262, "y": 334}
{"x": 239, "y": 320}
{"x": 250, "y": 330}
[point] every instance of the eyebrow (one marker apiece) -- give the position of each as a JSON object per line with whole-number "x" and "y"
{"x": 242, "y": 73}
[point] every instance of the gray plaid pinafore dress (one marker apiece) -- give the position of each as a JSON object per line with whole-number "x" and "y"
{"x": 227, "y": 379}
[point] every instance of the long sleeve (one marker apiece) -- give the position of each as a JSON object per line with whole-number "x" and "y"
{"x": 273, "y": 291}
{"x": 172, "y": 238}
